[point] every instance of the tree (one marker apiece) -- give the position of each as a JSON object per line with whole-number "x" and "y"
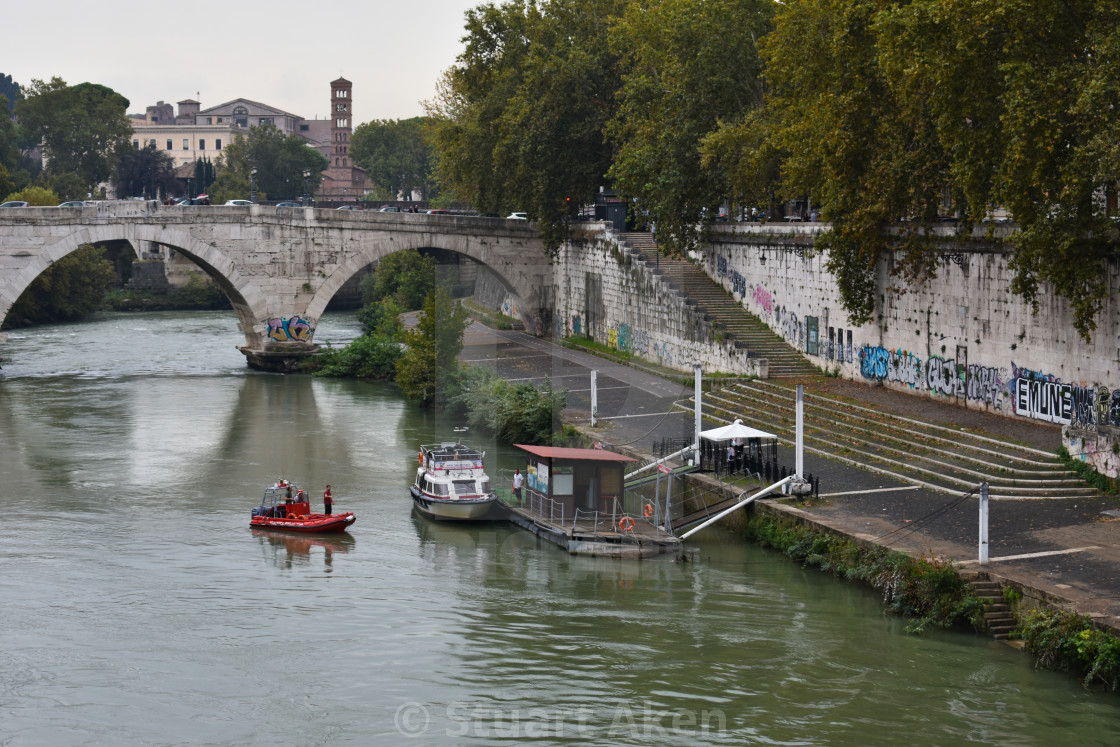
{"x": 396, "y": 154}
{"x": 83, "y": 128}
{"x": 35, "y": 196}
{"x": 682, "y": 81}
{"x": 406, "y": 277}
{"x": 11, "y": 92}
{"x": 145, "y": 172}
{"x": 280, "y": 161}
{"x": 885, "y": 111}
{"x": 428, "y": 365}
{"x": 70, "y": 289}
{"x": 518, "y": 122}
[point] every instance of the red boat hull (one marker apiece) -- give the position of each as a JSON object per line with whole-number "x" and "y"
{"x": 312, "y": 524}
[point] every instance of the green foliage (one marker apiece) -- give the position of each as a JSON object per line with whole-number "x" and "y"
{"x": 371, "y": 357}
{"x": 70, "y": 289}
{"x": 681, "y": 81}
{"x": 1103, "y": 483}
{"x": 35, "y": 196}
{"x": 1067, "y": 642}
{"x": 396, "y": 154}
{"x": 145, "y": 172}
{"x": 514, "y": 413}
{"x": 930, "y": 592}
{"x": 280, "y": 161}
{"x": 406, "y": 276}
{"x": 84, "y": 129}
{"x": 203, "y": 176}
{"x": 11, "y": 92}
{"x": 581, "y": 341}
{"x": 518, "y": 122}
{"x": 885, "y": 112}
{"x": 198, "y": 294}
{"x": 426, "y": 370}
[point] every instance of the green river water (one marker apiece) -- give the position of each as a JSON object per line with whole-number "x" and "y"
{"x": 137, "y": 607}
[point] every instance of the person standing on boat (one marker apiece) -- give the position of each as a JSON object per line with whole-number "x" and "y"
{"x": 328, "y": 500}
{"x": 518, "y": 480}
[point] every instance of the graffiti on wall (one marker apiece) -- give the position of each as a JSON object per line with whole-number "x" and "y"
{"x": 793, "y": 329}
{"x": 509, "y": 308}
{"x": 942, "y": 376}
{"x": 763, "y": 300}
{"x": 1041, "y": 396}
{"x": 286, "y": 330}
{"x": 721, "y": 266}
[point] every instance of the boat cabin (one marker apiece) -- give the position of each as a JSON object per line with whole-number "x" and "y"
{"x": 283, "y": 500}
{"x": 452, "y": 470}
{"x": 583, "y": 479}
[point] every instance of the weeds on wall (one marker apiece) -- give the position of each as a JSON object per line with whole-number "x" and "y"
{"x": 1103, "y": 483}
{"x": 1067, "y": 642}
{"x": 930, "y": 592}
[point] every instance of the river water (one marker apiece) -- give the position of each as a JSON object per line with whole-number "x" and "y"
{"x": 138, "y": 608}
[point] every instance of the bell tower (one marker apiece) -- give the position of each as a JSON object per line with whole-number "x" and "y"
{"x": 341, "y": 123}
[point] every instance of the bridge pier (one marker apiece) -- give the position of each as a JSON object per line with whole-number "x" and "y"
{"x": 278, "y": 357}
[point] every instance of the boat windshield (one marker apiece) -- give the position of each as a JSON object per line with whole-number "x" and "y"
{"x": 464, "y": 487}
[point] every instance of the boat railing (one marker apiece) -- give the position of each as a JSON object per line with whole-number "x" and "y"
{"x": 617, "y": 521}
{"x": 543, "y": 506}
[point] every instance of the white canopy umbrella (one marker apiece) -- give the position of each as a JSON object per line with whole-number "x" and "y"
{"x": 735, "y": 430}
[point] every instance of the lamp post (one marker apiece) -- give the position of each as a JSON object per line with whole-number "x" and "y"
{"x": 306, "y": 196}
{"x": 253, "y": 185}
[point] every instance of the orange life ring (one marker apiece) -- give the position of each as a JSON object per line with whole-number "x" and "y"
{"x": 647, "y": 511}
{"x": 626, "y": 524}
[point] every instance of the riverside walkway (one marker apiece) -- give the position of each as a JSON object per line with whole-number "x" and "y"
{"x": 1048, "y": 532}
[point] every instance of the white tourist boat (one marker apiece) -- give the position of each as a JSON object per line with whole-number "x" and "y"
{"x": 451, "y": 483}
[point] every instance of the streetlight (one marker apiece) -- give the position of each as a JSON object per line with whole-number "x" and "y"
{"x": 306, "y": 177}
{"x": 253, "y": 185}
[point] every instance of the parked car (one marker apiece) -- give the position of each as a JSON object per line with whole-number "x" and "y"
{"x": 389, "y": 209}
{"x": 348, "y": 207}
{"x": 14, "y": 203}
{"x": 439, "y": 212}
{"x": 288, "y": 204}
{"x": 517, "y": 216}
{"x": 239, "y": 202}
{"x": 76, "y": 203}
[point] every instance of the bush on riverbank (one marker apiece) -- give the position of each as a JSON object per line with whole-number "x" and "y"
{"x": 1067, "y": 642}
{"x": 515, "y": 413}
{"x": 930, "y": 592}
{"x": 199, "y": 294}
{"x": 371, "y": 357}
{"x": 70, "y": 289}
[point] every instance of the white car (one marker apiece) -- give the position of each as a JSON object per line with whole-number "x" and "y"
{"x": 517, "y": 216}
{"x": 238, "y": 202}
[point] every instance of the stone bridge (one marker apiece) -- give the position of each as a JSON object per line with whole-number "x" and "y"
{"x": 278, "y": 266}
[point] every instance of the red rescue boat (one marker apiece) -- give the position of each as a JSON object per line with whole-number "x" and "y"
{"x": 287, "y": 508}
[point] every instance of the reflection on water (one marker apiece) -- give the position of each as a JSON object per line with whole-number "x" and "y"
{"x": 286, "y": 549}
{"x": 137, "y": 606}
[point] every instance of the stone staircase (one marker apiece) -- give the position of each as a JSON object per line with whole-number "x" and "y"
{"x": 727, "y": 314}
{"x": 917, "y": 452}
{"x": 997, "y": 614}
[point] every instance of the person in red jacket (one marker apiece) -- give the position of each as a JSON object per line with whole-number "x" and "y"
{"x": 328, "y": 500}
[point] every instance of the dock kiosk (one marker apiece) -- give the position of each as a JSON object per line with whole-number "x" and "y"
{"x": 575, "y": 499}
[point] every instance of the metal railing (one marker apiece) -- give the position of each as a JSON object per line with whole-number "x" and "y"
{"x": 544, "y": 507}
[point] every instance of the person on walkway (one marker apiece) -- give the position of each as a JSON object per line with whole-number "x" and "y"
{"x": 518, "y": 481}
{"x": 328, "y": 500}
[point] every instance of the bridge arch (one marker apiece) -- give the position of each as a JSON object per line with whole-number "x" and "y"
{"x": 375, "y": 251}
{"x": 208, "y": 257}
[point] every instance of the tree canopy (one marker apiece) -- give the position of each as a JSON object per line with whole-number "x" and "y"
{"x": 890, "y": 115}
{"x": 396, "y": 155}
{"x": 280, "y": 161}
{"x": 145, "y": 172}
{"x": 519, "y": 120}
{"x": 83, "y": 129}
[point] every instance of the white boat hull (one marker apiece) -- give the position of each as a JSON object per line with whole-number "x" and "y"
{"x": 447, "y": 509}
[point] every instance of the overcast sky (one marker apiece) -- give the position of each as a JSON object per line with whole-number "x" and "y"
{"x": 282, "y": 53}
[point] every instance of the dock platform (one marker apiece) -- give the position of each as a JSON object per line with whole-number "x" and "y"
{"x": 602, "y": 535}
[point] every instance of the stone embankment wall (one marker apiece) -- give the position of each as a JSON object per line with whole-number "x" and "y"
{"x": 963, "y": 337}
{"x": 603, "y": 291}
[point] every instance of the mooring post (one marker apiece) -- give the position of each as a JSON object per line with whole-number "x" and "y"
{"x": 696, "y": 424}
{"x": 983, "y": 523}
{"x": 800, "y": 450}
{"x": 594, "y": 395}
